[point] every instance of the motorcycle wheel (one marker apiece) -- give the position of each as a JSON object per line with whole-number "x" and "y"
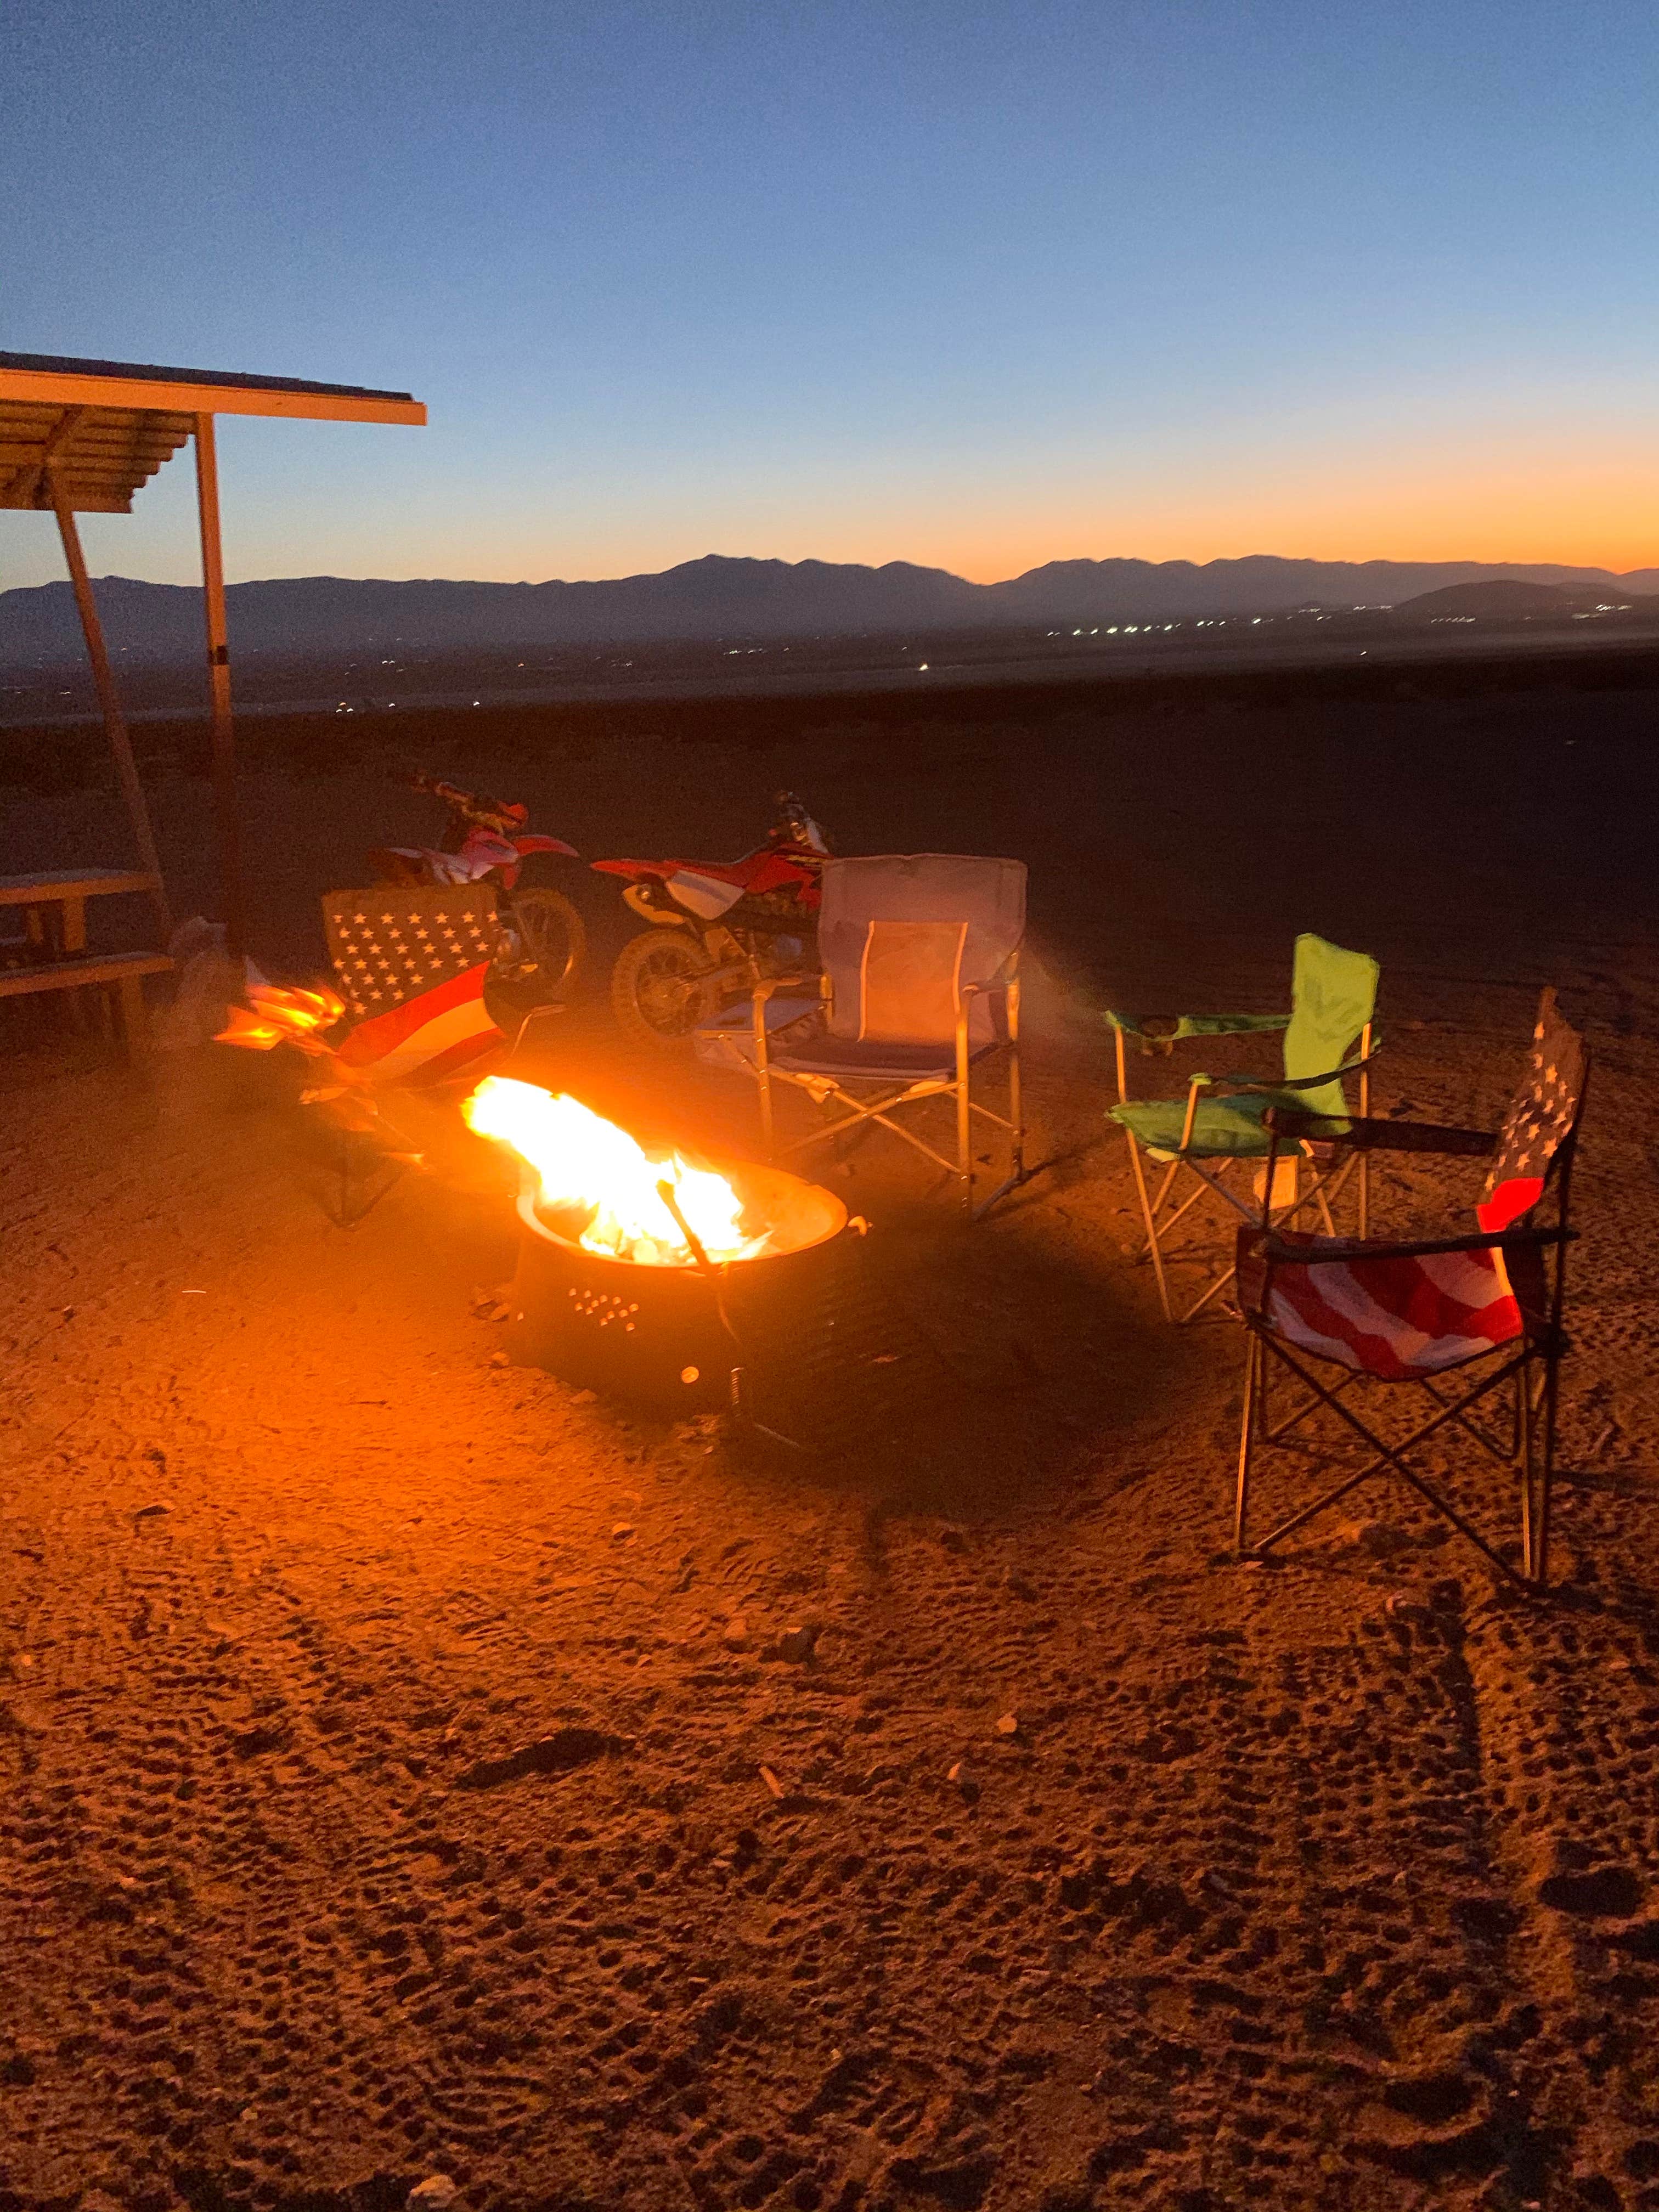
{"x": 553, "y": 937}
{"x": 661, "y": 986}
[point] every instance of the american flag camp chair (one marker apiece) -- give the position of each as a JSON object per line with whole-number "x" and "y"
{"x": 411, "y": 966}
{"x": 1222, "y": 1121}
{"x": 1485, "y": 1307}
{"x": 920, "y": 986}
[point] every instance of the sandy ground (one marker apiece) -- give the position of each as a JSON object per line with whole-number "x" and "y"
{"x": 1329, "y": 1884}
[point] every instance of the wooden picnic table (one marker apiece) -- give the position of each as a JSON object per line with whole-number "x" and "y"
{"x": 54, "y": 903}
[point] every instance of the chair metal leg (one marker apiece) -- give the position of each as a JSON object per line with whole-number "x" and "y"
{"x": 1253, "y": 1364}
{"x": 1152, "y": 1226}
{"x": 1365, "y": 1112}
{"x": 1212, "y": 1289}
{"x": 764, "y": 1077}
{"x": 1540, "y": 1565}
{"x": 1527, "y": 1465}
{"x": 1388, "y": 1455}
{"x": 1014, "y": 1102}
{"x": 965, "y": 1134}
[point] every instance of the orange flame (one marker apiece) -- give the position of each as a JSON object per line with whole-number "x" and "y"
{"x": 284, "y": 1016}
{"x": 584, "y": 1162}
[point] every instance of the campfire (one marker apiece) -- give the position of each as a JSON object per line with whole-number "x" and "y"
{"x": 588, "y": 1166}
{"x": 653, "y": 1278}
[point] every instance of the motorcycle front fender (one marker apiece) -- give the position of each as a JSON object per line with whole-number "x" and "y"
{"x": 528, "y": 845}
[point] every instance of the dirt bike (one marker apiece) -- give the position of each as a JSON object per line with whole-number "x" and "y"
{"x": 543, "y": 937}
{"x": 717, "y": 927}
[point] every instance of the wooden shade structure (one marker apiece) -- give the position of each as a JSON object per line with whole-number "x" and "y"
{"x": 82, "y": 437}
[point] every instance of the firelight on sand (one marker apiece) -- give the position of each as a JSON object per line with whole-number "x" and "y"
{"x": 584, "y": 1161}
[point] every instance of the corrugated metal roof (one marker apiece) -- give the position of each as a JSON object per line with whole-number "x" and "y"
{"x": 106, "y": 426}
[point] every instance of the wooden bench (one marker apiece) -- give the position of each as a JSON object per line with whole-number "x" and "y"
{"x": 54, "y": 901}
{"x": 122, "y": 974}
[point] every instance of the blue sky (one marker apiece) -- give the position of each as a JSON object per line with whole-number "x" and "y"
{"x": 979, "y": 285}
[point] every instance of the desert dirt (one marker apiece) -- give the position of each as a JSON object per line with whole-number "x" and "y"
{"x": 401, "y": 1772}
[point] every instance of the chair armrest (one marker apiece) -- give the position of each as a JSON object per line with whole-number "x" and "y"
{"x": 1299, "y": 1082}
{"x": 1271, "y": 1246}
{"x": 1379, "y": 1136}
{"x": 1139, "y": 1026}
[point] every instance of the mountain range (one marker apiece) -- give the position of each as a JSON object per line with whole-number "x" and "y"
{"x": 717, "y": 598}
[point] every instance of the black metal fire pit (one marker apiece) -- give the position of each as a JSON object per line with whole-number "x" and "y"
{"x": 669, "y": 1337}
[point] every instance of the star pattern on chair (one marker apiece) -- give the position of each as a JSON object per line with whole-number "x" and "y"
{"x": 408, "y": 945}
{"x": 1543, "y": 1109}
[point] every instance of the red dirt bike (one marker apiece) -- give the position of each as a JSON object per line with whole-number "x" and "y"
{"x": 543, "y": 937}
{"x": 717, "y": 927}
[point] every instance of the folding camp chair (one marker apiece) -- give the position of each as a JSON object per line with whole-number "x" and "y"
{"x": 411, "y": 966}
{"x": 919, "y": 953}
{"x": 1486, "y": 1306}
{"x": 1333, "y": 1001}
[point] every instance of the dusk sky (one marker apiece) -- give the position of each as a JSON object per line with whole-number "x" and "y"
{"x": 972, "y": 285}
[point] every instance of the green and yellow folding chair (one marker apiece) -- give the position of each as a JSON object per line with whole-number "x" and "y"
{"x": 1332, "y": 1006}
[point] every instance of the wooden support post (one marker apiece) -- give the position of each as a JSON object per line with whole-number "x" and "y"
{"x": 115, "y": 725}
{"x": 227, "y": 815}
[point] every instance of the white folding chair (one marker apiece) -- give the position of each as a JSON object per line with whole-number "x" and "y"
{"x": 918, "y": 986}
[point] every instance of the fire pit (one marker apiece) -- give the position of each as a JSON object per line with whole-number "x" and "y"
{"x": 653, "y": 1279}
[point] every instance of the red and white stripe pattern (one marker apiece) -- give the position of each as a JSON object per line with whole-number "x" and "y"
{"x": 1383, "y": 1314}
{"x": 430, "y": 1037}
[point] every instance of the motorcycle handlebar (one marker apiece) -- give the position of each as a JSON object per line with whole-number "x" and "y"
{"x": 476, "y": 808}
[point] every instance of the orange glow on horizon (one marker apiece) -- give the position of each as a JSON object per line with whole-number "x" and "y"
{"x": 1525, "y": 508}
{"x": 1517, "y": 484}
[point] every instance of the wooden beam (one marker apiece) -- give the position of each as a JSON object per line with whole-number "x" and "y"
{"x": 60, "y": 388}
{"x": 114, "y": 723}
{"x": 102, "y": 502}
{"x": 226, "y": 813}
{"x": 28, "y": 477}
{"x": 100, "y": 463}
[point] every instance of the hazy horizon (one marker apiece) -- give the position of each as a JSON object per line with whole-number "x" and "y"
{"x": 902, "y": 561}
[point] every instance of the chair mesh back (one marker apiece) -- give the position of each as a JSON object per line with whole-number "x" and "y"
{"x": 910, "y": 987}
{"x": 1541, "y": 1116}
{"x": 1332, "y": 996}
{"x": 985, "y": 899}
